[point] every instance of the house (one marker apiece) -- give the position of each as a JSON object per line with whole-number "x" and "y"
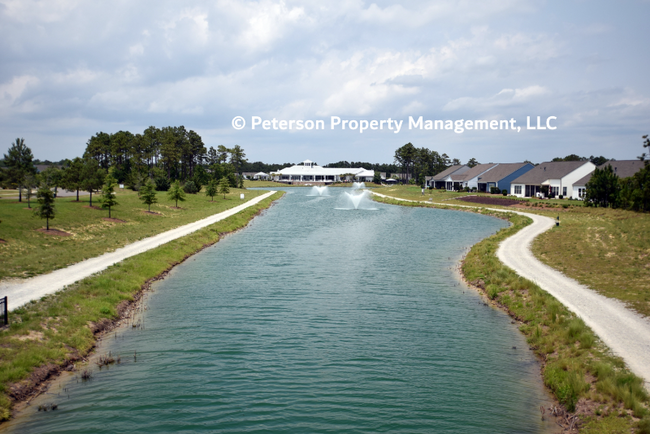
{"x": 622, "y": 168}
{"x": 501, "y": 176}
{"x": 440, "y": 180}
{"x": 470, "y": 178}
{"x": 558, "y": 176}
{"x": 261, "y": 175}
{"x": 311, "y": 172}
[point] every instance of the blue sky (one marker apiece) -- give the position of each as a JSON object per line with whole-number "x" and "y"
{"x": 72, "y": 68}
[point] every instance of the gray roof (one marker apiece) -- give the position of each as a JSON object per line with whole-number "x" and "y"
{"x": 448, "y": 171}
{"x": 622, "y": 168}
{"x": 473, "y": 172}
{"x": 548, "y": 170}
{"x": 500, "y": 172}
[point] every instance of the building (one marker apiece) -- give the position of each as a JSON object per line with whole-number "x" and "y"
{"x": 558, "y": 176}
{"x": 441, "y": 179}
{"x": 501, "y": 176}
{"x": 310, "y": 172}
{"x": 622, "y": 168}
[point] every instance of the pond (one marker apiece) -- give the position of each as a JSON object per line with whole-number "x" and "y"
{"x": 316, "y": 318}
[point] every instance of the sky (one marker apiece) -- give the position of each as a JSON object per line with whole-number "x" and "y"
{"x": 72, "y": 68}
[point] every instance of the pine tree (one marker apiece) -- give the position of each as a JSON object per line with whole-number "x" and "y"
{"x": 176, "y": 192}
{"x": 45, "y": 209}
{"x": 108, "y": 194}
{"x": 224, "y": 186}
{"x": 148, "y": 193}
{"x": 211, "y": 189}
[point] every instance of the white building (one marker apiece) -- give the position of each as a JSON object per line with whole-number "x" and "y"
{"x": 559, "y": 176}
{"x": 310, "y": 172}
{"x": 622, "y": 169}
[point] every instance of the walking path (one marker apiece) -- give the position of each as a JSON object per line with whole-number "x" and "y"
{"x": 625, "y": 332}
{"x": 36, "y": 287}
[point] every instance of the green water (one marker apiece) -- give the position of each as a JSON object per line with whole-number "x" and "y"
{"x": 315, "y": 320}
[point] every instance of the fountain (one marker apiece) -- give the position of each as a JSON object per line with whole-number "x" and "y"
{"x": 358, "y": 185}
{"x": 319, "y": 191}
{"x": 357, "y": 200}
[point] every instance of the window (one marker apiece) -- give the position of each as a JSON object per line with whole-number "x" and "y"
{"x": 517, "y": 189}
{"x": 564, "y": 191}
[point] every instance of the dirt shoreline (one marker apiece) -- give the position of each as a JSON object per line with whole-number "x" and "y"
{"x": 42, "y": 378}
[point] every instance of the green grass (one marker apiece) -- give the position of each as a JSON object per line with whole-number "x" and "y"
{"x": 575, "y": 363}
{"x": 28, "y": 252}
{"x": 605, "y": 249}
{"x": 56, "y": 328}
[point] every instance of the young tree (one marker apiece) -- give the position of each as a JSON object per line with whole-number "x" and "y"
{"x": 92, "y": 177}
{"x": 211, "y": 189}
{"x": 603, "y": 188}
{"x": 45, "y": 209}
{"x": 19, "y": 161}
{"x": 224, "y": 186}
{"x": 176, "y": 192}
{"x": 472, "y": 162}
{"x": 29, "y": 183}
{"x": 108, "y": 193}
{"x": 148, "y": 194}
{"x": 52, "y": 177}
{"x": 72, "y": 176}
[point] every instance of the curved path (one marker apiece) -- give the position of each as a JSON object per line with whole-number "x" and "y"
{"x": 36, "y": 287}
{"x": 625, "y": 332}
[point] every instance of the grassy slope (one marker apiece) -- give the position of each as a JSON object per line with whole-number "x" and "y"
{"x": 28, "y": 252}
{"x": 607, "y": 250}
{"x": 56, "y": 329}
{"x": 577, "y": 367}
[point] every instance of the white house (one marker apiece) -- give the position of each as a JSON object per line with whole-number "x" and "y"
{"x": 309, "y": 171}
{"x": 622, "y": 168}
{"x": 440, "y": 180}
{"x": 261, "y": 175}
{"x": 559, "y": 176}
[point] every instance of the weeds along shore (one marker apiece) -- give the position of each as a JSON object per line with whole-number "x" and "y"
{"x": 47, "y": 336}
{"x": 597, "y": 392}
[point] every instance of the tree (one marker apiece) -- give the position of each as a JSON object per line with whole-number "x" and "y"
{"x": 377, "y": 177}
{"x": 148, "y": 194}
{"x": 73, "y": 175}
{"x": 190, "y": 187}
{"x": 176, "y": 192}
{"x": 237, "y": 158}
{"x": 211, "y": 189}
{"x": 92, "y": 177}
{"x": 45, "y": 209}
{"x": 405, "y": 157}
{"x": 52, "y": 177}
{"x": 19, "y": 161}
{"x": 224, "y": 186}
{"x": 108, "y": 193}
{"x": 472, "y": 162}
{"x": 29, "y": 183}
{"x": 603, "y": 188}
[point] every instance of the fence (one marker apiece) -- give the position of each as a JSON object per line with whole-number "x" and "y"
{"x": 4, "y": 318}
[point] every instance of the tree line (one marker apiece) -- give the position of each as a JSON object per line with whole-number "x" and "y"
{"x": 606, "y": 189}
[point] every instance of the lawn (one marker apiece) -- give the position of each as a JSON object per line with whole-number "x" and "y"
{"x": 26, "y": 252}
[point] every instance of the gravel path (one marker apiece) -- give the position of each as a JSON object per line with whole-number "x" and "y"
{"x": 34, "y": 288}
{"x": 624, "y": 331}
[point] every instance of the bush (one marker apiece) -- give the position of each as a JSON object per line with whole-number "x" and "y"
{"x": 494, "y": 190}
{"x": 190, "y": 188}
{"x": 504, "y": 192}
{"x": 561, "y": 196}
{"x": 162, "y": 183}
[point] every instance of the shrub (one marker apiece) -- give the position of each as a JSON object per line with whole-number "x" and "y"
{"x": 162, "y": 183}
{"x": 504, "y": 192}
{"x": 190, "y": 188}
{"x": 494, "y": 190}
{"x": 561, "y": 196}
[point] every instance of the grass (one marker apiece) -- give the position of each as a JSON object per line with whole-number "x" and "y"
{"x": 56, "y": 328}
{"x": 605, "y": 249}
{"x": 577, "y": 367}
{"x": 28, "y": 252}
